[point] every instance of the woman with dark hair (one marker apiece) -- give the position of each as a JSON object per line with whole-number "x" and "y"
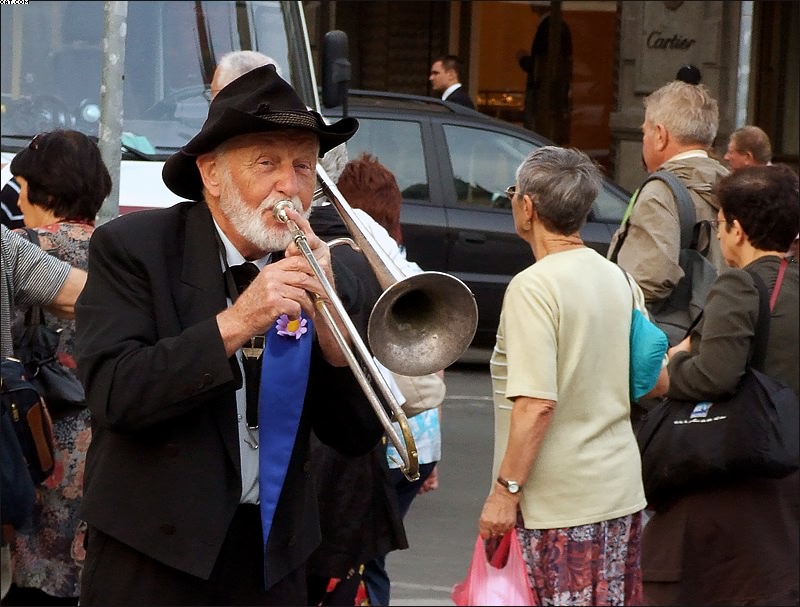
{"x": 736, "y": 543}
{"x": 372, "y": 190}
{"x": 63, "y": 182}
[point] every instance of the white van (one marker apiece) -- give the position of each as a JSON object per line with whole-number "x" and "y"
{"x": 52, "y": 60}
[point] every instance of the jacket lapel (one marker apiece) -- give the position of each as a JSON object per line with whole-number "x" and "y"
{"x": 201, "y": 294}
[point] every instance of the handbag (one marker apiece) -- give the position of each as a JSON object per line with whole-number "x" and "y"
{"x": 421, "y": 392}
{"x": 648, "y": 345}
{"x": 501, "y": 579}
{"x": 754, "y": 433}
{"x": 35, "y": 346}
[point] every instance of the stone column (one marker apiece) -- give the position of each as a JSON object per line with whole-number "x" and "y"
{"x": 656, "y": 39}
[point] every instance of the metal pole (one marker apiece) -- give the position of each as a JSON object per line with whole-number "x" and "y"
{"x": 743, "y": 67}
{"x": 111, "y": 107}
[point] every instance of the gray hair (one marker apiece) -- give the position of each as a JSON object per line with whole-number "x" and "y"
{"x": 563, "y": 183}
{"x": 333, "y": 162}
{"x": 688, "y": 112}
{"x": 238, "y": 63}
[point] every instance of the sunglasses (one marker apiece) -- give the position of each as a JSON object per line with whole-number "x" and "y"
{"x": 36, "y": 141}
{"x": 511, "y": 191}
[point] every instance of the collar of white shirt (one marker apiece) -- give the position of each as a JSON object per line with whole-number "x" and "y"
{"x": 449, "y": 90}
{"x": 234, "y": 258}
{"x": 689, "y": 154}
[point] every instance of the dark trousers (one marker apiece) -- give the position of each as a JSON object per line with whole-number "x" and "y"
{"x": 375, "y": 576}
{"x": 116, "y": 574}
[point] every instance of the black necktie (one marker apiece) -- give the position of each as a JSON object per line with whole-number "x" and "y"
{"x": 242, "y": 275}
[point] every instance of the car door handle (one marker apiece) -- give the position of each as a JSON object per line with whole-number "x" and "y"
{"x": 472, "y": 237}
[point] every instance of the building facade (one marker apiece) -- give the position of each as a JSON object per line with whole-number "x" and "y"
{"x": 618, "y": 52}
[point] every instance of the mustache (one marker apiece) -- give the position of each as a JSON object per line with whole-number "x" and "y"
{"x": 268, "y": 204}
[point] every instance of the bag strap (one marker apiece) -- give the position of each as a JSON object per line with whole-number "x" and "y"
{"x": 687, "y": 218}
{"x": 766, "y": 303}
{"x": 778, "y": 283}
{"x": 35, "y": 314}
{"x": 32, "y": 235}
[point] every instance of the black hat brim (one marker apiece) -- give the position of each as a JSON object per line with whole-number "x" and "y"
{"x": 180, "y": 172}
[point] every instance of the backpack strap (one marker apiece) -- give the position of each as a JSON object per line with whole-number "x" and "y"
{"x": 687, "y": 218}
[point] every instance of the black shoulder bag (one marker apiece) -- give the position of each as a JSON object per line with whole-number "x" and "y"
{"x": 35, "y": 346}
{"x": 754, "y": 433}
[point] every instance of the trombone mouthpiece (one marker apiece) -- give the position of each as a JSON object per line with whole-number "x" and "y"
{"x": 279, "y": 210}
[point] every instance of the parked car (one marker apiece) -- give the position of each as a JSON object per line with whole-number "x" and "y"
{"x": 453, "y": 165}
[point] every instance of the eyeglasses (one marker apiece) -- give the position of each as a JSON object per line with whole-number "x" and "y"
{"x": 511, "y": 191}
{"x": 37, "y": 139}
{"x": 715, "y": 223}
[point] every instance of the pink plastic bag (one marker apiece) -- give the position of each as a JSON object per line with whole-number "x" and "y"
{"x": 490, "y": 582}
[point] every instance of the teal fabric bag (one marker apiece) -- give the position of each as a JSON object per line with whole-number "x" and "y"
{"x": 648, "y": 346}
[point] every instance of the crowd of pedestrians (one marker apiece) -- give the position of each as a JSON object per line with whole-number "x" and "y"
{"x": 227, "y": 454}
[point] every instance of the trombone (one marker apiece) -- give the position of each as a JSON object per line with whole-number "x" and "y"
{"x": 420, "y": 324}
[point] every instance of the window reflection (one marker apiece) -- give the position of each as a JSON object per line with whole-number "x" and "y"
{"x": 52, "y": 58}
{"x": 484, "y": 163}
{"x": 397, "y": 145}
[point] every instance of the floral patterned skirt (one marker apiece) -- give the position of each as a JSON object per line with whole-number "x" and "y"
{"x": 48, "y": 554}
{"x": 595, "y": 564}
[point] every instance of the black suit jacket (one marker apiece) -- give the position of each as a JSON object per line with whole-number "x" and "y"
{"x": 163, "y": 470}
{"x": 461, "y": 97}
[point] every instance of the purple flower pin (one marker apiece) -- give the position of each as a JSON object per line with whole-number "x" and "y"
{"x": 291, "y": 327}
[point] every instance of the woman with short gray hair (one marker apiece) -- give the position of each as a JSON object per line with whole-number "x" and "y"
{"x": 567, "y": 466}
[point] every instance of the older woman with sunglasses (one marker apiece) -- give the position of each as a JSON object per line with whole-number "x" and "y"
{"x": 63, "y": 182}
{"x": 567, "y": 474}
{"x": 736, "y": 543}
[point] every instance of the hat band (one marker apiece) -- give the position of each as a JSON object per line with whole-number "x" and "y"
{"x": 289, "y": 118}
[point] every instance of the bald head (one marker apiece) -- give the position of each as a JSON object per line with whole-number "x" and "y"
{"x": 237, "y": 63}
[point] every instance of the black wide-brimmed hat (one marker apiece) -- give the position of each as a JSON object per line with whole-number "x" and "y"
{"x": 256, "y": 102}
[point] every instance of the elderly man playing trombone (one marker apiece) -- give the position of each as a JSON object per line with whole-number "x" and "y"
{"x": 204, "y": 390}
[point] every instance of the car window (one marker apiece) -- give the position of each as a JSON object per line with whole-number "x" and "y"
{"x": 484, "y": 164}
{"x": 609, "y": 207}
{"x": 397, "y": 144}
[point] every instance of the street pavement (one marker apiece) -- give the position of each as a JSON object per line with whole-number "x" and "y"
{"x": 442, "y": 525}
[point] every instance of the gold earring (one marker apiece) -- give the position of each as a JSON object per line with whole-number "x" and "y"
{"x": 527, "y": 225}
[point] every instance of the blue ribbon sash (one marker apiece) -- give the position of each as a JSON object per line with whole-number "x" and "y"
{"x": 284, "y": 379}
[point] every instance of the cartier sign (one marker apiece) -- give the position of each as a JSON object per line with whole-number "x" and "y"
{"x": 658, "y": 40}
{"x": 660, "y": 37}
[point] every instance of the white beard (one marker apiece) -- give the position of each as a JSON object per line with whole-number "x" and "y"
{"x": 249, "y": 222}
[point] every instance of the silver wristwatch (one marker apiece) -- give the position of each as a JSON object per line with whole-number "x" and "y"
{"x": 513, "y": 486}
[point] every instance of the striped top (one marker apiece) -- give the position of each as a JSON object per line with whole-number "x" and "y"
{"x": 28, "y": 276}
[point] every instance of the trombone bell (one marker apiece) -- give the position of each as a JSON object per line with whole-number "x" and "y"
{"x": 421, "y": 323}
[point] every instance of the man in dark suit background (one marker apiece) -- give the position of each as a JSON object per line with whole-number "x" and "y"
{"x": 548, "y": 98}
{"x": 174, "y": 475}
{"x": 445, "y": 78}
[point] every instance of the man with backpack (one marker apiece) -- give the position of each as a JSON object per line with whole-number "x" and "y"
{"x": 667, "y": 246}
